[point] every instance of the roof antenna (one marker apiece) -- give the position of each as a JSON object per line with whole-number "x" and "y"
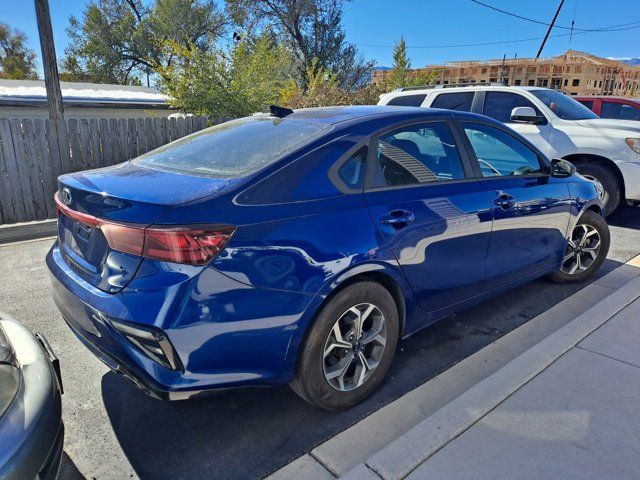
{"x": 280, "y": 112}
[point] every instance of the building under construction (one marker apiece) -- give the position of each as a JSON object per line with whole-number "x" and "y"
{"x": 574, "y": 73}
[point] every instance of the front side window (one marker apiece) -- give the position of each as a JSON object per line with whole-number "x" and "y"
{"x": 460, "y": 101}
{"x": 498, "y": 105}
{"x": 564, "y": 107}
{"x": 408, "y": 100}
{"x": 235, "y": 148}
{"x": 587, "y": 103}
{"x": 423, "y": 153}
{"x": 499, "y": 154}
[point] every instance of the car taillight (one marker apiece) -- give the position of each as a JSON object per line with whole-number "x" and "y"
{"x": 194, "y": 245}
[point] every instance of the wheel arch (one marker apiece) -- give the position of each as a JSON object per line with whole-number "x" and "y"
{"x": 390, "y": 278}
{"x": 582, "y": 158}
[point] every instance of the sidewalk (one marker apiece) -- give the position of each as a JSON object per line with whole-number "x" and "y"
{"x": 566, "y": 407}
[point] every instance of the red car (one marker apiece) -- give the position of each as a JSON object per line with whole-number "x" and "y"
{"x": 612, "y": 107}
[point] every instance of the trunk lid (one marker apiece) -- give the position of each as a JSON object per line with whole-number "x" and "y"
{"x": 125, "y": 194}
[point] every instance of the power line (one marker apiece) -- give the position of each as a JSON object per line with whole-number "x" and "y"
{"x": 626, "y": 26}
{"x": 533, "y": 20}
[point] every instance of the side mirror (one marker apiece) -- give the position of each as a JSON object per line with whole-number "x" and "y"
{"x": 526, "y": 115}
{"x": 562, "y": 168}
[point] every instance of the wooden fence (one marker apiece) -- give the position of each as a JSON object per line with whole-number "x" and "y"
{"x": 33, "y": 153}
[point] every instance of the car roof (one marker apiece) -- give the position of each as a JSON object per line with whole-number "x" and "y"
{"x": 608, "y": 97}
{"x": 353, "y": 113}
{"x": 470, "y": 87}
{"x": 333, "y": 115}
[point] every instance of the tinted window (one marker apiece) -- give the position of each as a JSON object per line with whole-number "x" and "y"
{"x": 415, "y": 154}
{"x": 619, "y": 110}
{"x": 235, "y": 148}
{"x": 454, "y": 101}
{"x": 351, "y": 172}
{"x": 408, "y": 100}
{"x": 565, "y": 107}
{"x": 500, "y": 154}
{"x": 587, "y": 103}
{"x": 498, "y": 105}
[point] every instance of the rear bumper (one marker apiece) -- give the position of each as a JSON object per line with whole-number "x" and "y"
{"x": 226, "y": 334}
{"x": 31, "y": 430}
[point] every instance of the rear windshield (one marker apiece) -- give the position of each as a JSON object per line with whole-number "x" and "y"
{"x": 235, "y": 148}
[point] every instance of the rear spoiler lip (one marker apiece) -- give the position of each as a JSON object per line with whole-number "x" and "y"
{"x": 74, "y": 214}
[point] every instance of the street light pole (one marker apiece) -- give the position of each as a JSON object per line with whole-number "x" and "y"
{"x": 51, "y": 78}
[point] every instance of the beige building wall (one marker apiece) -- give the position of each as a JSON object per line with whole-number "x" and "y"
{"x": 573, "y": 73}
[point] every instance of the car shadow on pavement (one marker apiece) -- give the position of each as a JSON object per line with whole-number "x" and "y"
{"x": 68, "y": 469}
{"x": 627, "y": 217}
{"x": 249, "y": 433}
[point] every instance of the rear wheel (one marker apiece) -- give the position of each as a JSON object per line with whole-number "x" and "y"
{"x": 587, "y": 249}
{"x": 349, "y": 348}
{"x": 611, "y": 191}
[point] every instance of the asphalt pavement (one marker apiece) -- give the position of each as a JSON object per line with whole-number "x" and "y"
{"x": 114, "y": 431}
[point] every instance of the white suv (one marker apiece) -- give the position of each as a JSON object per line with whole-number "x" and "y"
{"x": 607, "y": 151}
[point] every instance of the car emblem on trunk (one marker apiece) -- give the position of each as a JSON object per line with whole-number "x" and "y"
{"x": 66, "y": 196}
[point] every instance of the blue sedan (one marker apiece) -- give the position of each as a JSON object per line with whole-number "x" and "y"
{"x": 299, "y": 247}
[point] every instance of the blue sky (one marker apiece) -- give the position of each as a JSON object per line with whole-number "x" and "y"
{"x": 432, "y": 27}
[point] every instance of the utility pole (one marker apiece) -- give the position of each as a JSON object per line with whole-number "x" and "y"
{"x": 549, "y": 29}
{"x": 51, "y": 78}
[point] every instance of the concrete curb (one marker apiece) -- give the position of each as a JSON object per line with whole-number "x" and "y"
{"x": 403, "y": 455}
{"x": 18, "y": 232}
{"x": 398, "y": 417}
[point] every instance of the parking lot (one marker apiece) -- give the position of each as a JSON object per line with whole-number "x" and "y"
{"x": 115, "y": 431}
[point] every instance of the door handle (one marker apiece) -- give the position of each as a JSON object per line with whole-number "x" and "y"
{"x": 504, "y": 201}
{"x": 398, "y": 218}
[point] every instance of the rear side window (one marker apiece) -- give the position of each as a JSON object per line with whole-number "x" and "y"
{"x": 408, "y": 100}
{"x": 352, "y": 171}
{"x": 498, "y": 105}
{"x": 235, "y": 148}
{"x": 499, "y": 154}
{"x": 423, "y": 153}
{"x": 454, "y": 101}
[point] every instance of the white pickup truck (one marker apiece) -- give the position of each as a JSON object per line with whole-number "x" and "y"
{"x": 607, "y": 151}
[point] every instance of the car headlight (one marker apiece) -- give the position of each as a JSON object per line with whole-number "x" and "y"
{"x": 9, "y": 384}
{"x": 9, "y": 374}
{"x": 634, "y": 144}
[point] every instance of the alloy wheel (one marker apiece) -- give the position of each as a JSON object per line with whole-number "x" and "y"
{"x": 582, "y": 250}
{"x": 354, "y": 347}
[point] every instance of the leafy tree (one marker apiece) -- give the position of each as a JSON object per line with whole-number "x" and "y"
{"x": 324, "y": 90}
{"x": 402, "y": 75}
{"x": 226, "y": 85}
{"x": 17, "y": 61}
{"x": 313, "y": 30}
{"x": 120, "y": 41}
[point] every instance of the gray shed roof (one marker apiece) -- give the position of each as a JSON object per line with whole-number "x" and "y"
{"x": 32, "y": 92}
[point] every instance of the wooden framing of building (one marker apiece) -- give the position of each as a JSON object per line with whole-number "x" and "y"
{"x": 574, "y": 73}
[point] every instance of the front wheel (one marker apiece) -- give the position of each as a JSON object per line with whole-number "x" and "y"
{"x": 610, "y": 192}
{"x": 586, "y": 250}
{"x": 349, "y": 348}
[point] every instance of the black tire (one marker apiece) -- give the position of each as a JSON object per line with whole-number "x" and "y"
{"x": 310, "y": 381}
{"x": 596, "y": 221}
{"x": 608, "y": 180}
